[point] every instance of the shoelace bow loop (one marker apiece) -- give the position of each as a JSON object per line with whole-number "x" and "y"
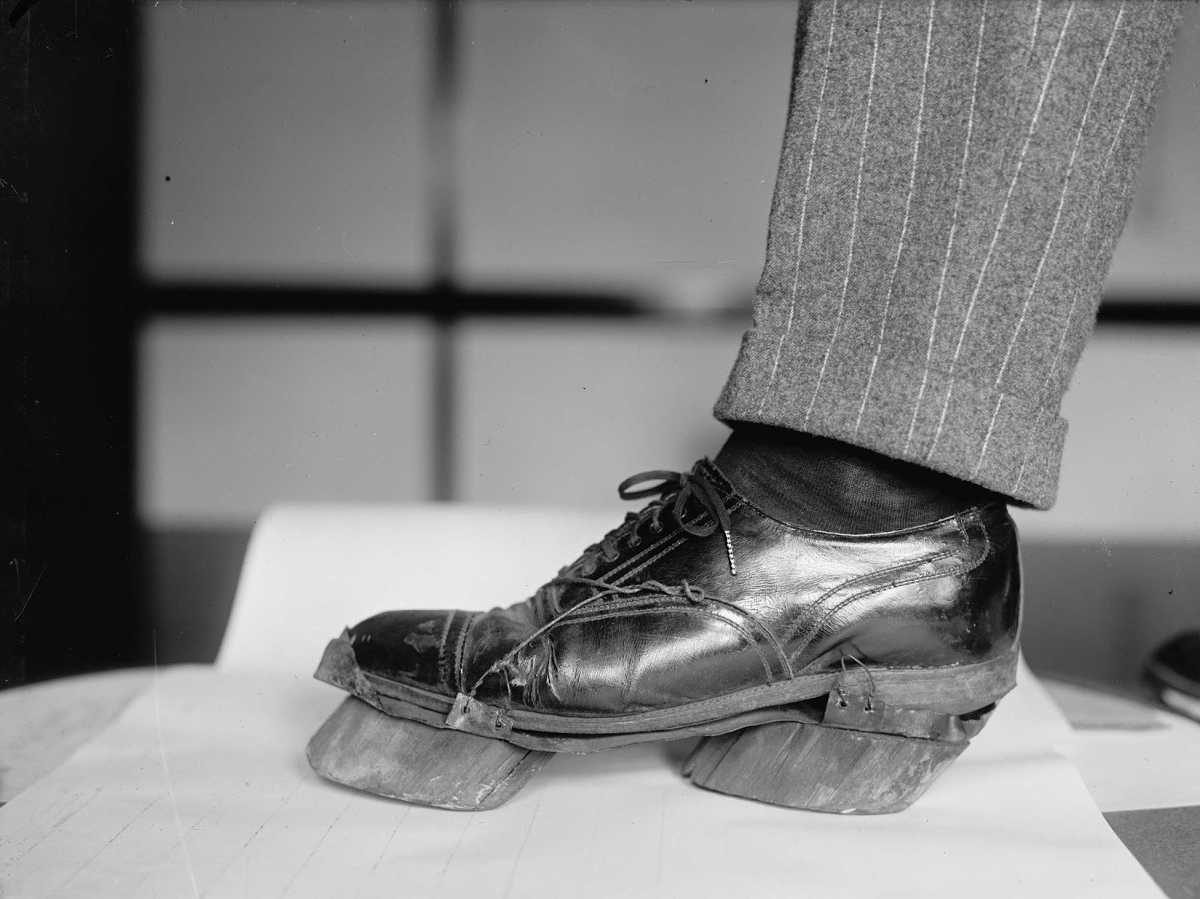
{"x": 686, "y": 487}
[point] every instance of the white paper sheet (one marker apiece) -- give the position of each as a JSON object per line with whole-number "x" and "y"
{"x": 1127, "y": 770}
{"x": 201, "y": 787}
{"x": 1131, "y": 755}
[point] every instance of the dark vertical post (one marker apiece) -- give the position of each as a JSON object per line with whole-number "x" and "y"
{"x": 15, "y": 451}
{"x": 443, "y": 224}
{"x": 67, "y": 99}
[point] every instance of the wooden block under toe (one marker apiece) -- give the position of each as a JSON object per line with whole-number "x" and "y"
{"x": 363, "y": 748}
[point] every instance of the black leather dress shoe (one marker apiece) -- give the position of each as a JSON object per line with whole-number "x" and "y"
{"x": 875, "y": 655}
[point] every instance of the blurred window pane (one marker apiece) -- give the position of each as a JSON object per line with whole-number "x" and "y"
{"x": 285, "y": 142}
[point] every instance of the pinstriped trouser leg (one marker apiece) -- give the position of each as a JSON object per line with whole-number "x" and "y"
{"x": 953, "y": 181}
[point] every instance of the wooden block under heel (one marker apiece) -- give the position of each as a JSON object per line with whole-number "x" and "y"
{"x": 833, "y": 768}
{"x": 363, "y": 748}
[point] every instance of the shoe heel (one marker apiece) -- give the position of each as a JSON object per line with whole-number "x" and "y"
{"x": 863, "y": 758}
{"x": 361, "y": 747}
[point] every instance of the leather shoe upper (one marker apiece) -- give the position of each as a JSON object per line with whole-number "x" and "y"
{"x": 702, "y": 594}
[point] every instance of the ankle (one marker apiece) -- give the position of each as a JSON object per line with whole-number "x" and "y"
{"x": 824, "y": 484}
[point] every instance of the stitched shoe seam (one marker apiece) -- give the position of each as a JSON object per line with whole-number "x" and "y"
{"x": 621, "y": 603}
{"x": 680, "y": 539}
{"x": 795, "y": 630}
{"x": 648, "y": 556}
{"x": 441, "y": 662}
{"x": 666, "y": 537}
{"x": 461, "y": 654}
{"x": 761, "y": 626}
{"x": 899, "y": 566}
{"x": 970, "y": 564}
{"x": 936, "y": 557}
{"x": 689, "y": 610}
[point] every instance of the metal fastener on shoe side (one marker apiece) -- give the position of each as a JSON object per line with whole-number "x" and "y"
{"x": 475, "y": 717}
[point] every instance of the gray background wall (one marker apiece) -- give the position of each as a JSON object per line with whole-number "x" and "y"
{"x": 620, "y": 147}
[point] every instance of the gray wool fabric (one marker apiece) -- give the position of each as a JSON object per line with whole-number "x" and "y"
{"x": 953, "y": 181}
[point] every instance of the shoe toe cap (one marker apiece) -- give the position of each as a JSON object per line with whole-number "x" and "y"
{"x": 404, "y": 645}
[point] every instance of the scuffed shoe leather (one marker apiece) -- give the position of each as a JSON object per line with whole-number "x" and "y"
{"x": 701, "y": 607}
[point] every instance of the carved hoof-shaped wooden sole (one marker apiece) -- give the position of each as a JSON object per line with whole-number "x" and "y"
{"x": 363, "y": 748}
{"x": 839, "y": 768}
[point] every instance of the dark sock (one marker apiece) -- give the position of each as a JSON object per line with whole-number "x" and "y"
{"x": 822, "y": 484}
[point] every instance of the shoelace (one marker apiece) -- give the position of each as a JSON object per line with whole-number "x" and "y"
{"x": 686, "y": 488}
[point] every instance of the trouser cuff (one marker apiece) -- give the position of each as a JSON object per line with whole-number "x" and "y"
{"x": 1000, "y": 441}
